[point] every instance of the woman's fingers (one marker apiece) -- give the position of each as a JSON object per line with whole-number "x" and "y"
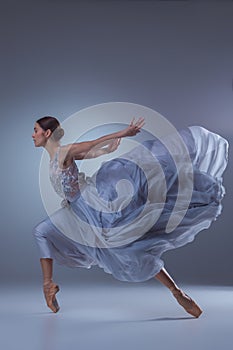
{"x": 132, "y": 121}
{"x": 117, "y": 142}
{"x": 138, "y": 124}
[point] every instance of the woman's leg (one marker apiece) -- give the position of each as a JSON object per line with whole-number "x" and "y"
{"x": 183, "y": 299}
{"x": 49, "y": 288}
{"x": 41, "y": 233}
{"x": 164, "y": 277}
{"x": 47, "y": 270}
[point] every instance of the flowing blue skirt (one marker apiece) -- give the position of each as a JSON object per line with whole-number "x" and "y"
{"x": 125, "y": 232}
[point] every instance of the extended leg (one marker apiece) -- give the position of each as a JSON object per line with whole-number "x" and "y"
{"x": 164, "y": 277}
{"x": 50, "y": 288}
{"x": 183, "y": 299}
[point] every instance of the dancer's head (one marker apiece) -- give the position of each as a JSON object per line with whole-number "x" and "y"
{"x": 47, "y": 128}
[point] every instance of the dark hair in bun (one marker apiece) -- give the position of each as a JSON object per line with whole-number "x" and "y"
{"x": 52, "y": 124}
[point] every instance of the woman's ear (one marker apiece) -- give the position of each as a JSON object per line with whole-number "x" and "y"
{"x": 48, "y": 133}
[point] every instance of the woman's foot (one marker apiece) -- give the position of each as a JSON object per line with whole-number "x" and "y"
{"x": 188, "y": 304}
{"x": 50, "y": 290}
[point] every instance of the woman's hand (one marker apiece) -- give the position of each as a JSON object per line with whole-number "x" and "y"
{"x": 101, "y": 149}
{"x": 112, "y": 145}
{"x": 133, "y": 128}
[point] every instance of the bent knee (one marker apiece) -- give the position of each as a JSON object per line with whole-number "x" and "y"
{"x": 42, "y": 229}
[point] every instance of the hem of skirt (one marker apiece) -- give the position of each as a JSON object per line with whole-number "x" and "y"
{"x": 127, "y": 278}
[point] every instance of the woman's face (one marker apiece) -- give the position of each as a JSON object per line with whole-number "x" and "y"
{"x": 39, "y": 136}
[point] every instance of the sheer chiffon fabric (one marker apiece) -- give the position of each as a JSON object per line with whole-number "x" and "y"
{"x": 126, "y": 234}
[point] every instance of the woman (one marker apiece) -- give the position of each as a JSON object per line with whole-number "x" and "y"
{"x": 119, "y": 249}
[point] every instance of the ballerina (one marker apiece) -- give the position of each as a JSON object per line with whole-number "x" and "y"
{"x": 134, "y": 258}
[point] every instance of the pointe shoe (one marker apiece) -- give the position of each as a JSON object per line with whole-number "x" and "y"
{"x": 50, "y": 290}
{"x": 188, "y": 304}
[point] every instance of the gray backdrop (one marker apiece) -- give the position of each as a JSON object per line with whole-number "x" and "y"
{"x": 58, "y": 57}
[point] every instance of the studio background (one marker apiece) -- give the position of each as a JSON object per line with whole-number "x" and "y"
{"x": 58, "y": 57}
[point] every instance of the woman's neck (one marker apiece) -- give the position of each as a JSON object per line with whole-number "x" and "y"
{"x": 51, "y": 148}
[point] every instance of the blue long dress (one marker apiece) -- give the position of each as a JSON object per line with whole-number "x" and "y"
{"x": 118, "y": 218}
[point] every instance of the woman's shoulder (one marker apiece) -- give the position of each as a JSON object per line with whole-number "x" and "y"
{"x": 64, "y": 158}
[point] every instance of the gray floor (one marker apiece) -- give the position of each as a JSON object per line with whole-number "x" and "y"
{"x": 126, "y": 316}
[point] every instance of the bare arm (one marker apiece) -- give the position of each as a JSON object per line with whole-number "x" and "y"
{"x": 101, "y": 149}
{"x": 86, "y": 149}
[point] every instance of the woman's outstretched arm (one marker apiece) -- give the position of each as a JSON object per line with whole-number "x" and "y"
{"x": 82, "y": 149}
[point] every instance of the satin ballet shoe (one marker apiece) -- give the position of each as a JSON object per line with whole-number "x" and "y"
{"x": 50, "y": 291}
{"x": 186, "y": 302}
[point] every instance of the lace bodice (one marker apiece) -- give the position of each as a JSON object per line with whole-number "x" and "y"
{"x": 64, "y": 181}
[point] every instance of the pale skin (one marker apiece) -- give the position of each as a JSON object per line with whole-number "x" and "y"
{"x": 92, "y": 149}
